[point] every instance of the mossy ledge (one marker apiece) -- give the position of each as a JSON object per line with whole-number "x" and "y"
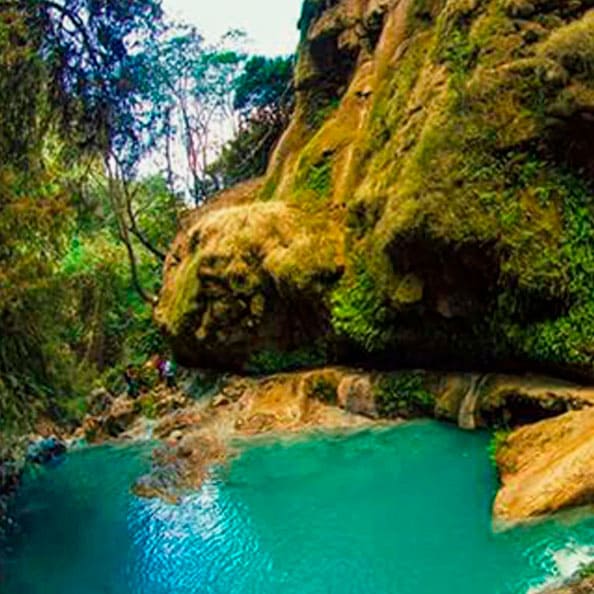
{"x": 430, "y": 204}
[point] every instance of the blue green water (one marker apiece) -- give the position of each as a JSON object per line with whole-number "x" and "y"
{"x": 402, "y": 511}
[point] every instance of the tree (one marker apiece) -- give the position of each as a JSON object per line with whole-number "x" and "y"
{"x": 68, "y": 101}
{"x": 190, "y": 87}
{"x": 264, "y": 100}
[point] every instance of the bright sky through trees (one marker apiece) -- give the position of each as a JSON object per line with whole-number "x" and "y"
{"x": 270, "y": 24}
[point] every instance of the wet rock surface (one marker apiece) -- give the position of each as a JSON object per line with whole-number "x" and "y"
{"x": 45, "y": 450}
{"x": 579, "y": 586}
{"x": 545, "y": 464}
{"x": 112, "y": 417}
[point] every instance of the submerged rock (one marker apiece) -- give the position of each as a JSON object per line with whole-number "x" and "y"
{"x": 10, "y": 479}
{"x": 181, "y": 465}
{"x": 45, "y": 450}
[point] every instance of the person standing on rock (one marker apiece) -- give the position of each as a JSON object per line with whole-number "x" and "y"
{"x": 131, "y": 379}
{"x": 169, "y": 370}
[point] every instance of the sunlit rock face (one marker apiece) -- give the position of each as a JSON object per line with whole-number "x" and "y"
{"x": 547, "y": 467}
{"x": 429, "y": 204}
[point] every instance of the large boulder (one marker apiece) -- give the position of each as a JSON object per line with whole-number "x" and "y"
{"x": 429, "y": 203}
{"x": 547, "y": 467}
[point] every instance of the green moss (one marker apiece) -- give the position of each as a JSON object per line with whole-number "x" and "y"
{"x": 403, "y": 394}
{"x": 183, "y": 301}
{"x": 270, "y": 361}
{"x": 324, "y": 390}
{"x": 313, "y": 182}
{"x": 498, "y": 440}
{"x": 319, "y": 177}
{"x": 565, "y": 337}
{"x": 456, "y": 50}
{"x": 573, "y": 47}
{"x": 388, "y": 111}
{"x": 319, "y": 108}
{"x": 270, "y": 186}
{"x": 586, "y": 571}
{"x": 358, "y": 311}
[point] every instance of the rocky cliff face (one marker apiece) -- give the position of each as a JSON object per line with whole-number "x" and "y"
{"x": 430, "y": 202}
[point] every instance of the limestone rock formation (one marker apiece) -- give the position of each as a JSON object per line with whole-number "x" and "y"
{"x": 547, "y": 467}
{"x": 429, "y": 203}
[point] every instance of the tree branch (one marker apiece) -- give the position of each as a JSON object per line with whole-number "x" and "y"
{"x": 124, "y": 234}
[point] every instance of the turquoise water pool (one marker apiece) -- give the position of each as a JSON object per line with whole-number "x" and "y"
{"x": 404, "y": 510}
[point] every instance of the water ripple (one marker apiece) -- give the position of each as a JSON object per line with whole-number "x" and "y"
{"x": 397, "y": 511}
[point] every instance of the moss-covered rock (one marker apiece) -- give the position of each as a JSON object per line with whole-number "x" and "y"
{"x": 431, "y": 201}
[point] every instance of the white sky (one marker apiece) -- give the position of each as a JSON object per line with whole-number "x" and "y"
{"x": 271, "y": 25}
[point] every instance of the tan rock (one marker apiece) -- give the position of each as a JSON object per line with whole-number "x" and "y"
{"x": 355, "y": 394}
{"x": 547, "y": 467}
{"x": 177, "y": 421}
{"x": 584, "y": 586}
{"x": 119, "y": 417}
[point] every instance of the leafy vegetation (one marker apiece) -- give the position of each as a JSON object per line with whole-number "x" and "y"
{"x": 274, "y": 361}
{"x": 92, "y": 92}
{"x": 498, "y": 440}
{"x": 403, "y": 394}
{"x": 358, "y": 311}
{"x": 324, "y": 390}
{"x": 264, "y": 100}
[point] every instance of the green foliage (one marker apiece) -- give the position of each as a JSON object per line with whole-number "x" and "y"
{"x": 188, "y": 88}
{"x": 318, "y": 178}
{"x": 265, "y": 84}
{"x": 457, "y": 51}
{"x": 498, "y": 440}
{"x": 319, "y": 109}
{"x": 311, "y": 10}
{"x": 264, "y": 98}
{"x": 324, "y": 390}
{"x": 358, "y": 311}
{"x": 586, "y": 571}
{"x": 403, "y": 394}
{"x": 567, "y": 337}
{"x": 272, "y": 361}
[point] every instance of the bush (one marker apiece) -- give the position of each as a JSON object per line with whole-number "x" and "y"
{"x": 586, "y": 571}
{"x": 358, "y": 311}
{"x": 403, "y": 394}
{"x": 270, "y": 361}
{"x": 498, "y": 440}
{"x": 324, "y": 390}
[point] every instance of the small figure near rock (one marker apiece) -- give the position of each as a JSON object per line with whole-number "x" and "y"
{"x": 131, "y": 379}
{"x": 169, "y": 373}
